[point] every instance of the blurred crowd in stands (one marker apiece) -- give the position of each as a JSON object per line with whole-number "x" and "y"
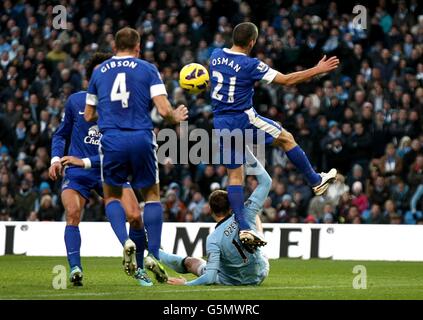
{"x": 365, "y": 119}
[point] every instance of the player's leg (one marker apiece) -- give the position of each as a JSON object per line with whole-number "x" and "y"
{"x": 173, "y": 261}
{"x": 236, "y": 199}
{"x": 145, "y": 176}
{"x": 114, "y": 173}
{"x": 136, "y": 228}
{"x": 231, "y": 127}
{"x": 275, "y": 135}
{"x": 136, "y": 232}
{"x": 115, "y": 211}
{"x": 117, "y": 218}
{"x": 153, "y": 222}
{"x": 236, "y": 195}
{"x": 319, "y": 182}
{"x": 153, "y": 218}
{"x": 183, "y": 264}
{"x": 73, "y": 203}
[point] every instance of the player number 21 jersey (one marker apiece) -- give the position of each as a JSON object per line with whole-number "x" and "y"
{"x": 233, "y": 75}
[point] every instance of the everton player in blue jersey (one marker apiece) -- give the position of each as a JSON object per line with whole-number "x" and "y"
{"x": 233, "y": 74}
{"x": 123, "y": 90}
{"x": 229, "y": 262}
{"x": 82, "y": 174}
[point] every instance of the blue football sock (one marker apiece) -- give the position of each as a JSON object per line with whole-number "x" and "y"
{"x": 153, "y": 221}
{"x": 138, "y": 236}
{"x": 236, "y": 200}
{"x": 73, "y": 246}
{"x": 117, "y": 218}
{"x": 298, "y": 157}
{"x": 173, "y": 261}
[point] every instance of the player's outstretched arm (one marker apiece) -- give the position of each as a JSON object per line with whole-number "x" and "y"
{"x": 325, "y": 65}
{"x": 167, "y": 112}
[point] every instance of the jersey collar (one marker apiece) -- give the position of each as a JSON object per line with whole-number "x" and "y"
{"x": 227, "y": 50}
{"x": 122, "y": 57}
{"x": 223, "y": 220}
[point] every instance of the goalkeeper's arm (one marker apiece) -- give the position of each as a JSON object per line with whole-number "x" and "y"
{"x": 213, "y": 262}
{"x": 264, "y": 180}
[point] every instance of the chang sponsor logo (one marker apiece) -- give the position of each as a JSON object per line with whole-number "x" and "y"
{"x": 93, "y": 136}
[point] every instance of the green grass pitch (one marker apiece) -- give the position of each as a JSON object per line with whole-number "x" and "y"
{"x": 24, "y": 277}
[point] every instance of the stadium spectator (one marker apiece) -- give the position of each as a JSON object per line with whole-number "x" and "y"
{"x": 25, "y": 200}
{"x": 268, "y": 213}
{"x": 353, "y": 215}
{"x": 174, "y": 208}
{"x": 400, "y": 193}
{"x": 390, "y": 165}
{"x": 286, "y": 210}
{"x": 378, "y": 191}
{"x": 337, "y": 189}
{"x": 359, "y": 199}
{"x": 206, "y": 215}
{"x": 391, "y": 213}
{"x": 196, "y": 205}
{"x": 47, "y": 211}
{"x": 374, "y": 215}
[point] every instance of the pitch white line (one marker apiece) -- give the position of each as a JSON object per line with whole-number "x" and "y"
{"x": 229, "y": 288}
{"x": 76, "y": 294}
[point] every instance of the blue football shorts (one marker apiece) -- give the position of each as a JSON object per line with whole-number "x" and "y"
{"x": 129, "y": 153}
{"x": 248, "y": 124}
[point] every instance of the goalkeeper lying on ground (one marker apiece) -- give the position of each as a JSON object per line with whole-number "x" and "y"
{"x": 229, "y": 261}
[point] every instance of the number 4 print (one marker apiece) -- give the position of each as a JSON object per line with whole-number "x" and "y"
{"x": 119, "y": 92}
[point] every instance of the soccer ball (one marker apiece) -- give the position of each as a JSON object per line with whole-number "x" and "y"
{"x": 194, "y": 78}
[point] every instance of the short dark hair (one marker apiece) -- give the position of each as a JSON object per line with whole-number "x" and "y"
{"x": 243, "y": 33}
{"x": 95, "y": 60}
{"x": 126, "y": 39}
{"x": 219, "y": 202}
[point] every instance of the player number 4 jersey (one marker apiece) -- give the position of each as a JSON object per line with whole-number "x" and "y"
{"x": 233, "y": 75}
{"x": 122, "y": 89}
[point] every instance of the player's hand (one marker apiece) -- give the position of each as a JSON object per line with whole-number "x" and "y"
{"x": 55, "y": 170}
{"x": 327, "y": 65}
{"x": 180, "y": 113}
{"x": 70, "y": 160}
{"x": 176, "y": 281}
